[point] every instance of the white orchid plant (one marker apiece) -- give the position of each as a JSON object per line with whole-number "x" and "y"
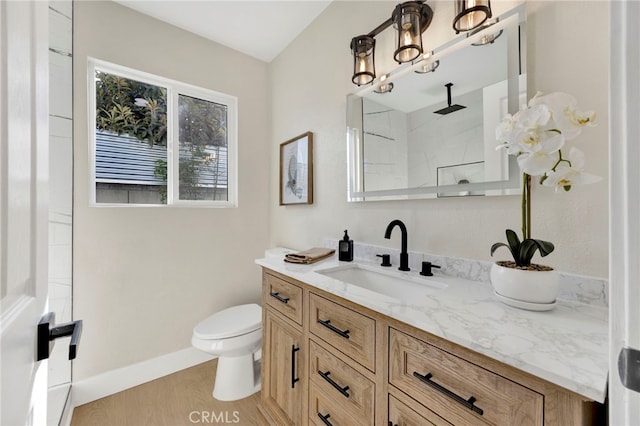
{"x": 537, "y": 135}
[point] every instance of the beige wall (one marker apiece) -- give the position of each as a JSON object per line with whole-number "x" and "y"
{"x": 567, "y": 51}
{"x": 143, "y": 277}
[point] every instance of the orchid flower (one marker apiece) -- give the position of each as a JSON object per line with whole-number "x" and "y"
{"x": 536, "y": 135}
{"x": 570, "y": 172}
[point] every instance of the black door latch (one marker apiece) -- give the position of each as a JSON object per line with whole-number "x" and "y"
{"x": 47, "y": 333}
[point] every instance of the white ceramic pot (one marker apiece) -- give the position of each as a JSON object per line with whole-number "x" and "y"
{"x": 536, "y": 287}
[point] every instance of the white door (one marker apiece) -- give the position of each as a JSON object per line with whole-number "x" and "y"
{"x": 624, "y": 263}
{"x": 24, "y": 159}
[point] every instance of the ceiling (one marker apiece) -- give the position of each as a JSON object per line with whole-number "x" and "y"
{"x": 258, "y": 28}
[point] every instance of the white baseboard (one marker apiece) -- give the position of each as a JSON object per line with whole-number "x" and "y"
{"x": 105, "y": 384}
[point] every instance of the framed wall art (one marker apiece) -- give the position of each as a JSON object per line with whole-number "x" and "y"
{"x": 296, "y": 170}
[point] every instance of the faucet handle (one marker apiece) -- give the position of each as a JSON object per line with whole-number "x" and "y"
{"x": 426, "y": 269}
{"x": 386, "y": 259}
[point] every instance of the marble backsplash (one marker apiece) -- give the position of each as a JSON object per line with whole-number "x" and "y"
{"x": 576, "y": 288}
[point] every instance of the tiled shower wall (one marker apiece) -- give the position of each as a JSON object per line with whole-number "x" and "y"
{"x": 61, "y": 182}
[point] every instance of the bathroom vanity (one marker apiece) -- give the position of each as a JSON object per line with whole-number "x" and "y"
{"x": 334, "y": 354}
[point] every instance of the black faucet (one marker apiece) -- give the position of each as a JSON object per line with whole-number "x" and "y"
{"x": 404, "y": 256}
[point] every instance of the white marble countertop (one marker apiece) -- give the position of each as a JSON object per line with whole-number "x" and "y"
{"x": 567, "y": 346}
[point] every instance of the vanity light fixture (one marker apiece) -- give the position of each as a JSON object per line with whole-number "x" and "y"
{"x": 364, "y": 67}
{"x": 426, "y": 65}
{"x": 487, "y": 37}
{"x": 406, "y": 21}
{"x": 410, "y": 19}
{"x": 470, "y": 14}
{"x": 384, "y": 87}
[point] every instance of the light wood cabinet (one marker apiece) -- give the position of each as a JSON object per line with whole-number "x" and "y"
{"x": 283, "y": 381}
{"x": 403, "y": 415}
{"x": 283, "y": 297}
{"x": 349, "y": 392}
{"x": 349, "y": 331}
{"x": 463, "y": 393}
{"x": 356, "y": 366}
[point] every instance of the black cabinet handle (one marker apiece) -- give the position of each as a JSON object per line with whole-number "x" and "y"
{"x": 47, "y": 333}
{"x": 391, "y": 423}
{"x": 327, "y": 324}
{"x": 325, "y": 419}
{"x": 280, "y": 298}
{"x": 294, "y": 379}
{"x": 466, "y": 402}
{"x": 342, "y": 390}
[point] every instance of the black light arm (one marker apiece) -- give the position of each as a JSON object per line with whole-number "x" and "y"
{"x": 426, "y": 15}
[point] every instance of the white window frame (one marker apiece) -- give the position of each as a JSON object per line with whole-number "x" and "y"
{"x": 174, "y": 90}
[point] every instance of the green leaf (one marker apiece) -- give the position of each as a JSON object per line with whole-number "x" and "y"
{"x": 496, "y": 245}
{"x": 524, "y": 251}
{"x": 527, "y": 250}
{"x": 545, "y": 247}
{"x": 513, "y": 240}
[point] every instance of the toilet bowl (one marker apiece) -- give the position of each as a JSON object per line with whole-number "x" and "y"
{"x": 234, "y": 335}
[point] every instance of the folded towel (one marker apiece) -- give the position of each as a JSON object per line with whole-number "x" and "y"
{"x": 309, "y": 256}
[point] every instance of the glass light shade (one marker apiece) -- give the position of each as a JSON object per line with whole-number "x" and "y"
{"x": 406, "y": 21}
{"x": 470, "y": 14}
{"x": 427, "y": 67}
{"x": 363, "y": 49}
{"x": 384, "y": 87}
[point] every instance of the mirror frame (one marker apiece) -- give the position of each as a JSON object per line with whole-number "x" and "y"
{"x": 517, "y": 73}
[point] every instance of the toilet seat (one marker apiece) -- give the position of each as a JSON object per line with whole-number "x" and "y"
{"x": 231, "y": 322}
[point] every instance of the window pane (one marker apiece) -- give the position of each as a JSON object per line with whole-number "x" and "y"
{"x": 203, "y": 147}
{"x": 131, "y": 141}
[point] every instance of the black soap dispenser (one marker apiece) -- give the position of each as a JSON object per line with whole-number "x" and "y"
{"x": 345, "y": 248}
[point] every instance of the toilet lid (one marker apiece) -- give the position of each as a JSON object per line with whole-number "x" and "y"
{"x": 231, "y": 322}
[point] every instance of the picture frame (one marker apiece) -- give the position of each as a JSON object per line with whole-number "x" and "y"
{"x": 296, "y": 170}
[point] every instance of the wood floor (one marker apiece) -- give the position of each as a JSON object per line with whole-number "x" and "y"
{"x": 182, "y": 398}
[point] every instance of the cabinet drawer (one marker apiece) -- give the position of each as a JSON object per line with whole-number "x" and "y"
{"x": 326, "y": 405}
{"x": 457, "y": 390}
{"x": 401, "y": 414}
{"x": 347, "y": 330}
{"x": 283, "y": 297}
{"x": 351, "y": 391}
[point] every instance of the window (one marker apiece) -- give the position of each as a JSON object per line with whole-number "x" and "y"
{"x": 157, "y": 141}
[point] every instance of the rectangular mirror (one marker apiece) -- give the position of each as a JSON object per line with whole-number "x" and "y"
{"x": 433, "y": 134}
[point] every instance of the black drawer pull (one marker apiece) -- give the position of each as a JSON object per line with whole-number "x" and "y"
{"x": 342, "y": 390}
{"x": 466, "y": 402}
{"x": 327, "y": 324}
{"x": 294, "y": 379}
{"x": 324, "y": 419}
{"x": 280, "y": 298}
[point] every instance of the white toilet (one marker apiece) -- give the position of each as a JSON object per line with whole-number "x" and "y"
{"x": 234, "y": 335}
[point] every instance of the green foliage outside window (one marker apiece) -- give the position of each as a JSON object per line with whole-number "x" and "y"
{"x": 130, "y": 107}
{"x": 140, "y": 110}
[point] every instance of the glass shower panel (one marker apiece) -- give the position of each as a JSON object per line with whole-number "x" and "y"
{"x": 61, "y": 198}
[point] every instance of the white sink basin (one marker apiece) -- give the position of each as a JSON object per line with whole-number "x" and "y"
{"x": 389, "y": 282}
